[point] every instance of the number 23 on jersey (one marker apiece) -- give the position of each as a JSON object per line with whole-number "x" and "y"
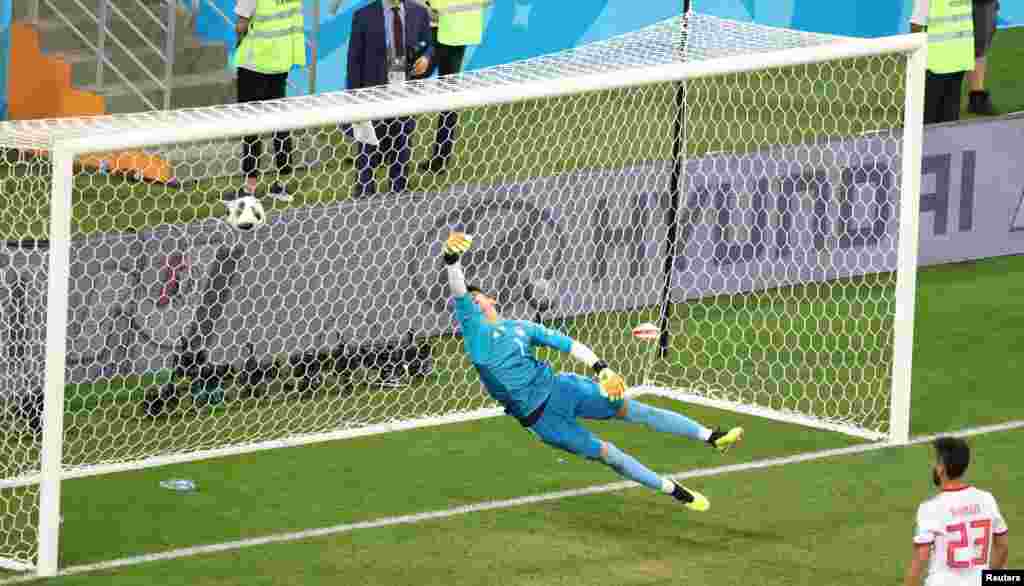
{"x": 973, "y": 535}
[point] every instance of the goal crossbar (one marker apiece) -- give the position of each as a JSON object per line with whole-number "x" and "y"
{"x": 439, "y": 96}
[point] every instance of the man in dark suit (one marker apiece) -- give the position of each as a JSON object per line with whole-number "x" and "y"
{"x": 390, "y": 43}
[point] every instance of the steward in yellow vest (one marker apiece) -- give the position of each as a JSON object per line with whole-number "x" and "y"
{"x": 950, "y": 36}
{"x": 275, "y": 39}
{"x": 950, "y": 28}
{"x": 457, "y": 23}
{"x": 272, "y": 40}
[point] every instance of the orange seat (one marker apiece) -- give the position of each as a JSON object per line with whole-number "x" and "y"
{"x": 39, "y": 86}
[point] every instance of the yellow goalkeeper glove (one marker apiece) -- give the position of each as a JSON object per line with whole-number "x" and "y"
{"x": 455, "y": 246}
{"x": 612, "y": 384}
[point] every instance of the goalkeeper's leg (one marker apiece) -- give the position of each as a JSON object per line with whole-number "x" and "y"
{"x": 662, "y": 420}
{"x": 558, "y": 428}
{"x": 630, "y": 468}
{"x": 557, "y": 431}
{"x": 667, "y": 421}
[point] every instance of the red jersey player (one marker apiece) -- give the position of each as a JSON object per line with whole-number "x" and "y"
{"x": 959, "y": 531}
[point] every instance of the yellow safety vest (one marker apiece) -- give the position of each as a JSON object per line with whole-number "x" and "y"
{"x": 950, "y": 36}
{"x": 460, "y": 22}
{"x": 276, "y": 40}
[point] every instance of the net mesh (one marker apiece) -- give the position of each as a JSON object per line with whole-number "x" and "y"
{"x": 187, "y": 333}
{"x": 783, "y": 292}
{"x": 22, "y": 350}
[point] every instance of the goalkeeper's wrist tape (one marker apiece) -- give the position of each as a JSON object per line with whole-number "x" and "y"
{"x": 450, "y": 258}
{"x": 599, "y": 366}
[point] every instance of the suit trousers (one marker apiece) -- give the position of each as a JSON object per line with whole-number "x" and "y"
{"x": 394, "y": 135}
{"x": 254, "y": 86}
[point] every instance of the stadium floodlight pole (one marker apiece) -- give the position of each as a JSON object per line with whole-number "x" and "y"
{"x": 59, "y": 279}
{"x": 678, "y": 168}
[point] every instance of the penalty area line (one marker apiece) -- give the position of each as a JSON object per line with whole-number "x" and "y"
{"x": 502, "y": 504}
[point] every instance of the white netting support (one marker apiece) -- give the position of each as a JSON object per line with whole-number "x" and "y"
{"x": 190, "y": 338}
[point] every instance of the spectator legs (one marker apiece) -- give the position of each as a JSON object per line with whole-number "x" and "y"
{"x": 395, "y": 148}
{"x": 255, "y": 87}
{"x": 449, "y": 62}
{"x": 942, "y": 97}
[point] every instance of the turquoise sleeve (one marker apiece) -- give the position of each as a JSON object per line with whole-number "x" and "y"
{"x": 468, "y": 314}
{"x": 470, "y": 319}
{"x": 542, "y": 336}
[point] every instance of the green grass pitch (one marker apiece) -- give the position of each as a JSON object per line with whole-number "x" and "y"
{"x": 845, "y": 520}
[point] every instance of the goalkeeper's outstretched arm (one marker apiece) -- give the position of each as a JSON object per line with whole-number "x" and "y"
{"x": 454, "y": 247}
{"x": 467, "y": 313}
{"x": 612, "y": 384}
{"x": 456, "y": 280}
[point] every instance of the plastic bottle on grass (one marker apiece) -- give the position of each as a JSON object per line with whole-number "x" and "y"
{"x": 179, "y": 485}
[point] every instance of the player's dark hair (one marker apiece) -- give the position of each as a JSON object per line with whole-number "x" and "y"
{"x": 954, "y": 455}
{"x": 474, "y": 289}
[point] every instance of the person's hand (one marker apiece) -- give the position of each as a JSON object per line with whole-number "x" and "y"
{"x": 421, "y": 65}
{"x": 455, "y": 246}
{"x": 612, "y": 384}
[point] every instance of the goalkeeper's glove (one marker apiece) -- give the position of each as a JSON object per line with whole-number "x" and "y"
{"x": 612, "y": 384}
{"x": 455, "y": 246}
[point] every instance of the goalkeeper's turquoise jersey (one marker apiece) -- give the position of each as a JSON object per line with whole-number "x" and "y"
{"x": 502, "y": 353}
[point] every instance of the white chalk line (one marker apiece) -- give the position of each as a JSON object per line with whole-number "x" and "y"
{"x": 494, "y": 505}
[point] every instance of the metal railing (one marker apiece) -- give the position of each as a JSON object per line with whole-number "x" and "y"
{"x": 312, "y": 40}
{"x": 165, "y": 51}
{"x": 105, "y": 9}
{"x": 33, "y": 11}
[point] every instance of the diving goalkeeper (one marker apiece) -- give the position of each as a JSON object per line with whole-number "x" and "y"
{"x": 548, "y": 404}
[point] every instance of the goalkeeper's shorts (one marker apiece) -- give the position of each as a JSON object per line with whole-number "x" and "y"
{"x": 573, "y": 397}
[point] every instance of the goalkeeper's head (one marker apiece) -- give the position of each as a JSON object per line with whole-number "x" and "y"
{"x": 487, "y": 304}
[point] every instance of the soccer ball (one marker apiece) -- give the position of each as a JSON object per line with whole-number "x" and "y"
{"x": 246, "y": 214}
{"x": 646, "y": 331}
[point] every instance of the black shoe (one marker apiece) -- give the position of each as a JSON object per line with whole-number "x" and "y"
{"x": 231, "y": 197}
{"x": 691, "y": 499}
{"x": 393, "y": 379}
{"x": 723, "y": 440}
{"x": 279, "y": 193}
{"x": 981, "y": 103}
{"x": 434, "y": 165}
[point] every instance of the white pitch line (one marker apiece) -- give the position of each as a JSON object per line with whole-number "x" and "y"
{"x": 503, "y": 504}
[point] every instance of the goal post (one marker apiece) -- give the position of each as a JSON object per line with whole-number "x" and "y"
{"x": 783, "y": 274}
{"x": 906, "y": 274}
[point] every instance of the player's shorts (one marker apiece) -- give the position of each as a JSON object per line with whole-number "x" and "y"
{"x": 573, "y": 397}
{"x": 984, "y": 26}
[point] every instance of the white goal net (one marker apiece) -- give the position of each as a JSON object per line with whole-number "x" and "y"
{"x": 739, "y": 186}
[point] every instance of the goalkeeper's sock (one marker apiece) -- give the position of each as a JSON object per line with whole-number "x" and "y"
{"x": 665, "y": 421}
{"x": 629, "y": 467}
